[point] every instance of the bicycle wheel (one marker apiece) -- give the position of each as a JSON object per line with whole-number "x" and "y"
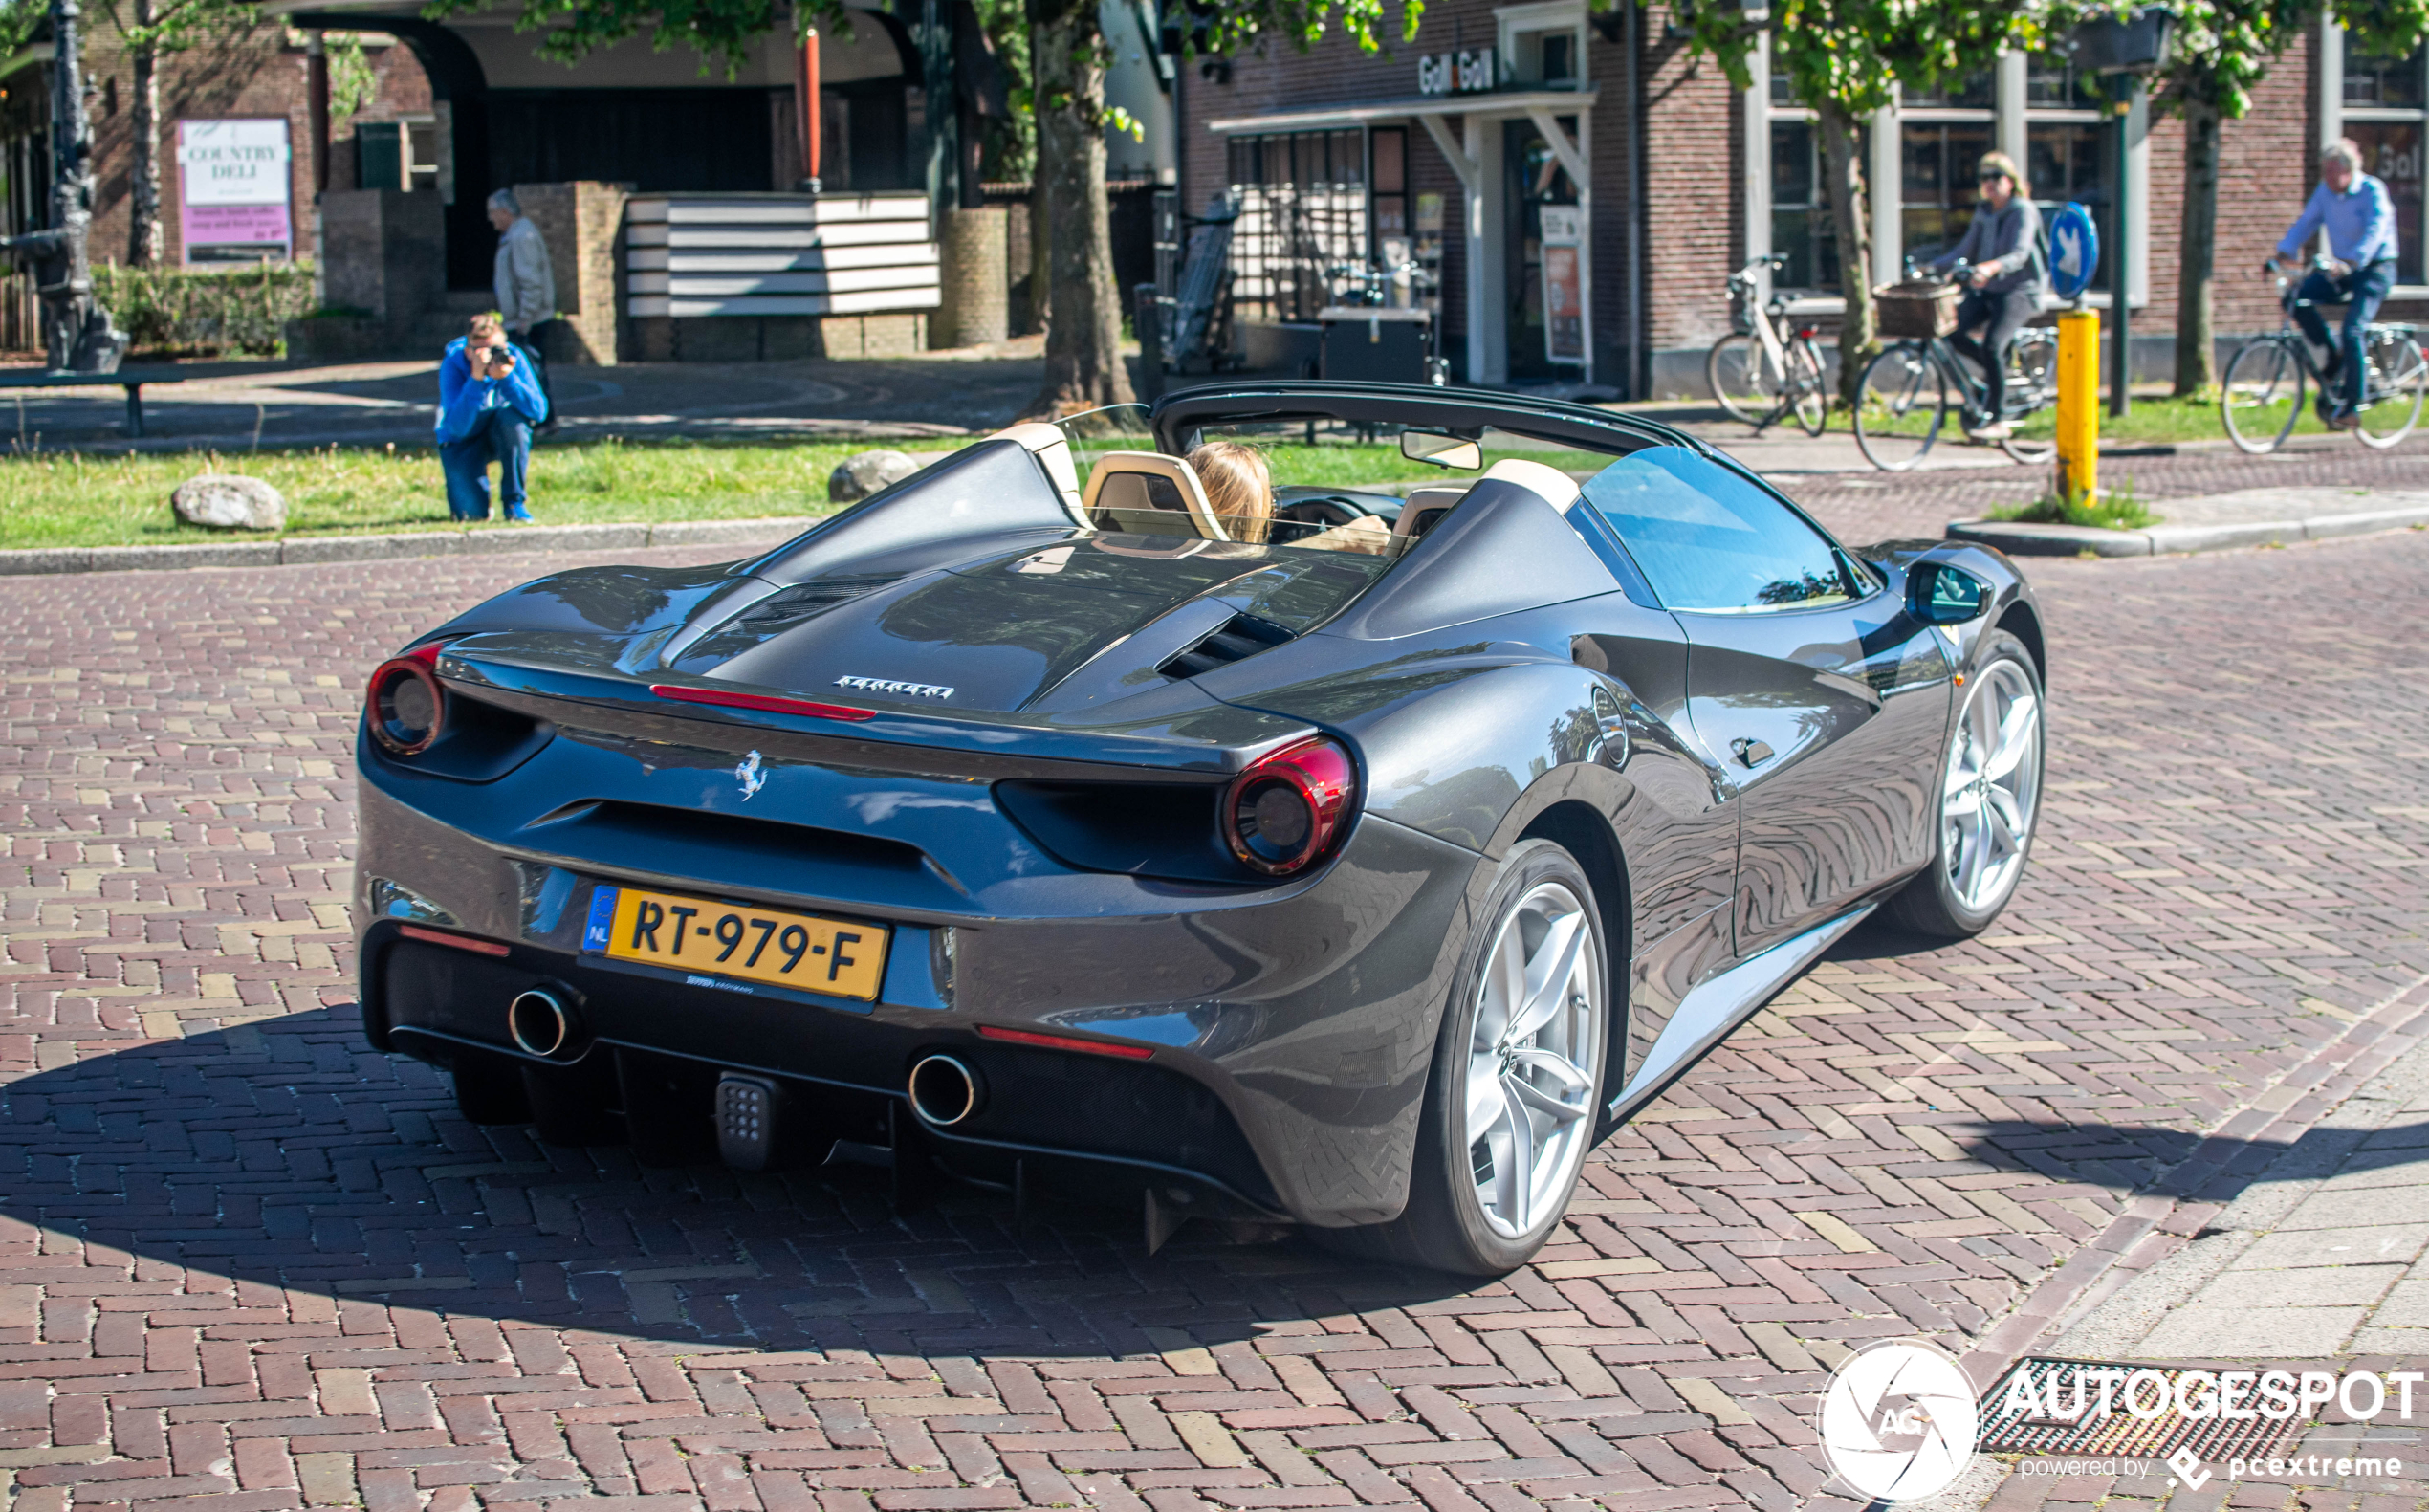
{"x": 1900, "y": 406}
{"x": 2261, "y": 395}
{"x": 2032, "y": 368}
{"x": 1809, "y": 395}
{"x": 1736, "y": 370}
{"x": 2397, "y": 384}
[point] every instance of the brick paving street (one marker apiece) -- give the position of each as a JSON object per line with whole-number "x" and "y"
{"x": 248, "y": 1263}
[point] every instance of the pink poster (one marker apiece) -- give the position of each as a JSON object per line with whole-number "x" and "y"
{"x": 235, "y": 189}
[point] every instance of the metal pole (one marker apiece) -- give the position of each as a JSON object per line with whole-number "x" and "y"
{"x": 2121, "y": 88}
{"x": 2078, "y": 404}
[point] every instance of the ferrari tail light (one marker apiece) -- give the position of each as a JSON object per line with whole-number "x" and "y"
{"x": 1289, "y": 808}
{"x": 404, "y": 704}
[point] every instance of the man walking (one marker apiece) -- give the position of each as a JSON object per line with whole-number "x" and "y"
{"x": 524, "y": 284}
{"x": 489, "y": 402}
{"x": 2352, "y": 207}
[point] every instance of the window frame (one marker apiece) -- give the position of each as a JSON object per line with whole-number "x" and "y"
{"x": 2340, "y": 112}
{"x": 1540, "y": 17}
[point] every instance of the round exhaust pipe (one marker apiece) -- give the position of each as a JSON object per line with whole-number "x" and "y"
{"x": 540, "y": 1023}
{"x": 944, "y": 1091}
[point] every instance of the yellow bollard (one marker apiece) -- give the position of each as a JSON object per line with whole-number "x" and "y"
{"x": 2078, "y": 404}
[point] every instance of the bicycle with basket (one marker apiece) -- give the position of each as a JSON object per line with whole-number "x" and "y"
{"x": 1910, "y": 390}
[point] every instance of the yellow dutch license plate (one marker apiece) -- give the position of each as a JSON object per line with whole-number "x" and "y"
{"x": 799, "y": 951}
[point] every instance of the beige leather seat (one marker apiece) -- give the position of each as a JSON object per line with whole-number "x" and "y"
{"x": 1053, "y": 451}
{"x": 1148, "y": 493}
{"x": 1426, "y": 507}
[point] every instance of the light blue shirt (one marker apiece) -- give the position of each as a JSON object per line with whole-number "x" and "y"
{"x": 2360, "y": 222}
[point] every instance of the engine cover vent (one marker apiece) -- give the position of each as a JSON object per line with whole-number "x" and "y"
{"x": 1237, "y": 638}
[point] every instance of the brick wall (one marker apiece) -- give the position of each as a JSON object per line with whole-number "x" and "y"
{"x": 256, "y": 73}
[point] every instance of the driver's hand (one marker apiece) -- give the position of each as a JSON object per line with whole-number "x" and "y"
{"x": 1980, "y": 274}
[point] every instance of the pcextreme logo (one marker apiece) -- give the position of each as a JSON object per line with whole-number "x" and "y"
{"x": 1898, "y": 1420}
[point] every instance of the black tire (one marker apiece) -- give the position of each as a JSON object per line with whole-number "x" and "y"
{"x": 1445, "y": 1226}
{"x": 1811, "y": 388}
{"x": 2032, "y": 376}
{"x": 1734, "y": 369}
{"x": 1900, "y": 404}
{"x": 2400, "y": 380}
{"x": 1934, "y": 900}
{"x": 2260, "y": 396}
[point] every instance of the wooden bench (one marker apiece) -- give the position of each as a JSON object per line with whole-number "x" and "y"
{"x": 135, "y": 379}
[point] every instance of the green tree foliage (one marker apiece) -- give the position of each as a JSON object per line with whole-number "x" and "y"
{"x": 2221, "y": 49}
{"x": 1842, "y": 59}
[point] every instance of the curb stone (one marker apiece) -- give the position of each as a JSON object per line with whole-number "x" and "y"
{"x": 2019, "y": 539}
{"x": 403, "y": 544}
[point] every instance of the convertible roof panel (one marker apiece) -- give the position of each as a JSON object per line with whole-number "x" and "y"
{"x": 995, "y": 492}
{"x": 1503, "y": 550}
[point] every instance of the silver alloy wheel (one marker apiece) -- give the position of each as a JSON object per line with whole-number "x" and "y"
{"x": 1992, "y": 791}
{"x": 1532, "y": 1059}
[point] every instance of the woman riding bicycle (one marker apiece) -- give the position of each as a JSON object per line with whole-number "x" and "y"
{"x": 2003, "y": 244}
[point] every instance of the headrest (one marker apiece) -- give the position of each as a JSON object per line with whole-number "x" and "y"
{"x": 1555, "y": 487}
{"x": 1425, "y": 506}
{"x": 1125, "y": 482}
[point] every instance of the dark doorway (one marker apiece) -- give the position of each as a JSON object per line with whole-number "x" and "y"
{"x": 1534, "y": 179}
{"x": 714, "y": 140}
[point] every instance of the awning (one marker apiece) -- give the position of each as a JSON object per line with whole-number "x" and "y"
{"x": 1416, "y": 107}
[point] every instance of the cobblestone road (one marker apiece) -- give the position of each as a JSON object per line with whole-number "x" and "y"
{"x": 246, "y": 1263}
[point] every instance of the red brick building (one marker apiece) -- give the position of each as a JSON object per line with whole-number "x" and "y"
{"x": 1603, "y": 130}
{"x": 259, "y": 74}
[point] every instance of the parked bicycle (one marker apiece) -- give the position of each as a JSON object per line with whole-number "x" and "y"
{"x": 1767, "y": 369}
{"x": 2262, "y": 397}
{"x": 1915, "y": 386}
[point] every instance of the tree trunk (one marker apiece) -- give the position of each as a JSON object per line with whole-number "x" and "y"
{"x": 1851, "y": 216}
{"x": 2195, "y": 337}
{"x": 147, "y": 239}
{"x": 1084, "y": 333}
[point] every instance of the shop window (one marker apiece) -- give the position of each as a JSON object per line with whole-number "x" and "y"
{"x": 1936, "y": 188}
{"x": 1302, "y": 222}
{"x": 1973, "y": 92}
{"x": 2385, "y": 108}
{"x": 1801, "y": 221}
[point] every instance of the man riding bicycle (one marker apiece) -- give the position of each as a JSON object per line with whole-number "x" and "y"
{"x": 2003, "y": 244}
{"x": 2360, "y": 221}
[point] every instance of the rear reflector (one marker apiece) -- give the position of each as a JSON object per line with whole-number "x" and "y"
{"x": 762, "y": 702}
{"x": 1064, "y": 1041}
{"x": 415, "y": 931}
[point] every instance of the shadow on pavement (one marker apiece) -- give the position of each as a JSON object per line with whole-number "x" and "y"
{"x": 288, "y": 1152}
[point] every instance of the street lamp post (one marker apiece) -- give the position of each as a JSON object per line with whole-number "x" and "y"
{"x": 2125, "y": 49}
{"x": 77, "y": 334}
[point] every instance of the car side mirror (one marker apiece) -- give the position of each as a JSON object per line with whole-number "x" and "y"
{"x": 1940, "y": 594}
{"x": 1442, "y": 449}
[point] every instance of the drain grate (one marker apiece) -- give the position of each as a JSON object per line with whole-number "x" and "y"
{"x": 2075, "y": 1427}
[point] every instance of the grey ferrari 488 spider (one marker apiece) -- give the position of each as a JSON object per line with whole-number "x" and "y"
{"x": 1355, "y": 857}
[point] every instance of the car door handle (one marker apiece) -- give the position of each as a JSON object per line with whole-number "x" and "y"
{"x": 1753, "y": 752}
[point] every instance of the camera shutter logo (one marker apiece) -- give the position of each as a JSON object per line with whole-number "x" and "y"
{"x": 1898, "y": 1420}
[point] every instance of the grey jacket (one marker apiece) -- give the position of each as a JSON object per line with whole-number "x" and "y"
{"x": 2010, "y": 239}
{"x": 525, "y": 285}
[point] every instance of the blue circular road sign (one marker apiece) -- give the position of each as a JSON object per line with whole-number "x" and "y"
{"x": 2074, "y": 251}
